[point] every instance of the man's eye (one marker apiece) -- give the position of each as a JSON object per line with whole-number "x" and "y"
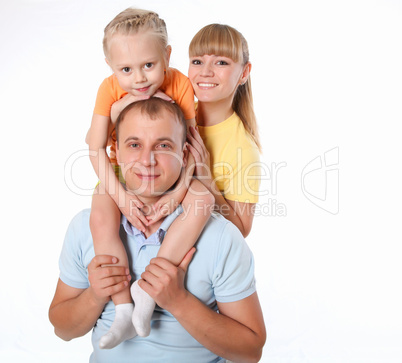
{"x": 134, "y": 146}
{"x": 126, "y": 70}
{"x": 164, "y": 146}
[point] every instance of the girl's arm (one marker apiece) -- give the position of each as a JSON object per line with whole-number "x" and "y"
{"x": 240, "y": 214}
{"x": 98, "y": 139}
{"x": 197, "y": 205}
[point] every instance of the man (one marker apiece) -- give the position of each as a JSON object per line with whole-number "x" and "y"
{"x": 186, "y": 326}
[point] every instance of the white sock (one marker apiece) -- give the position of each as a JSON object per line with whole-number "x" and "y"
{"x": 144, "y": 306}
{"x": 122, "y": 328}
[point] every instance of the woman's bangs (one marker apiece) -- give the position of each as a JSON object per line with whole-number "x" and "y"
{"x": 218, "y": 40}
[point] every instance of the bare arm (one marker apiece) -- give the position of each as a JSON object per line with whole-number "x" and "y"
{"x": 240, "y": 214}
{"x": 98, "y": 139}
{"x": 236, "y": 333}
{"x": 73, "y": 312}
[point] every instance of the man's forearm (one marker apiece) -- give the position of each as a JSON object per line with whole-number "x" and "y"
{"x": 75, "y": 317}
{"x": 220, "y": 334}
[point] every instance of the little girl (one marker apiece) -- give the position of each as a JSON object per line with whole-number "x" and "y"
{"x": 136, "y": 49}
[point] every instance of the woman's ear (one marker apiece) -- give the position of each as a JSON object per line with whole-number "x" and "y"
{"x": 246, "y": 73}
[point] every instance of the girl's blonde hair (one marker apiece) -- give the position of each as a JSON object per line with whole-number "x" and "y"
{"x": 132, "y": 21}
{"x": 223, "y": 40}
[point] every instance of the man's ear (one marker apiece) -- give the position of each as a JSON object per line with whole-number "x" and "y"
{"x": 185, "y": 155}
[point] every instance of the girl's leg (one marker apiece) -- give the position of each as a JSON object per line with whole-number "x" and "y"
{"x": 105, "y": 226}
{"x": 181, "y": 236}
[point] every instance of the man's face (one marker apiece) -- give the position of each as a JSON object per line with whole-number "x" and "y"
{"x": 150, "y": 152}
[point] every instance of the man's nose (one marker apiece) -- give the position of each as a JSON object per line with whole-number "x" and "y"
{"x": 148, "y": 157}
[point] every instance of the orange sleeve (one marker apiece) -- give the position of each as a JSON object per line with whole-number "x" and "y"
{"x": 178, "y": 87}
{"x": 108, "y": 93}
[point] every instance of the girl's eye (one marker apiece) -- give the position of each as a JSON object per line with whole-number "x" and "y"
{"x": 222, "y": 63}
{"x": 196, "y": 62}
{"x": 126, "y": 70}
{"x": 148, "y": 65}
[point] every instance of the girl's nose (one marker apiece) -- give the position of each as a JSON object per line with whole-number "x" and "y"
{"x": 139, "y": 77}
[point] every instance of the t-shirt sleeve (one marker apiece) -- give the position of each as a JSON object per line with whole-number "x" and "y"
{"x": 186, "y": 101}
{"x": 243, "y": 181}
{"x": 233, "y": 276}
{"x": 180, "y": 89}
{"x": 73, "y": 271}
{"x": 105, "y": 98}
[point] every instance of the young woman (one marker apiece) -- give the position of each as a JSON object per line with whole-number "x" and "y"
{"x": 226, "y": 147}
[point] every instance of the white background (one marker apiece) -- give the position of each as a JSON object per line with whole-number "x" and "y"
{"x": 326, "y": 76}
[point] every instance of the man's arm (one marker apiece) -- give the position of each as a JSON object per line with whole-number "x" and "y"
{"x": 237, "y": 333}
{"x": 73, "y": 312}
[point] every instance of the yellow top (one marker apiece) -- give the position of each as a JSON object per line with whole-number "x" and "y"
{"x": 235, "y": 158}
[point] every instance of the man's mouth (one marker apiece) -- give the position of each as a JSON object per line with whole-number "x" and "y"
{"x": 147, "y": 176}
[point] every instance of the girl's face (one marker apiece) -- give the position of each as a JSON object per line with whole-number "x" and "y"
{"x": 138, "y": 63}
{"x": 216, "y": 78}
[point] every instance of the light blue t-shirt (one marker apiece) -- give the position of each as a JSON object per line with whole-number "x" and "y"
{"x": 222, "y": 269}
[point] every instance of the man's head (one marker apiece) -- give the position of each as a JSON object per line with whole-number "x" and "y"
{"x": 150, "y": 148}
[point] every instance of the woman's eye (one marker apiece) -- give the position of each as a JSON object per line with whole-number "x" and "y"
{"x": 126, "y": 70}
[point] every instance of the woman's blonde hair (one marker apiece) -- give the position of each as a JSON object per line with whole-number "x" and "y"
{"x": 132, "y": 21}
{"x": 223, "y": 40}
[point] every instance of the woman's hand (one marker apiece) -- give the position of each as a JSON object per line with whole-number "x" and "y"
{"x": 200, "y": 153}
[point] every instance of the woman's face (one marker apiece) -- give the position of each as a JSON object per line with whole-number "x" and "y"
{"x": 216, "y": 78}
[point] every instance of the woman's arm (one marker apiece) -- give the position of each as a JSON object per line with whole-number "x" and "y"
{"x": 240, "y": 214}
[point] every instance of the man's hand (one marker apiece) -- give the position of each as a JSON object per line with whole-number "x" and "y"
{"x": 164, "y": 282}
{"x": 106, "y": 279}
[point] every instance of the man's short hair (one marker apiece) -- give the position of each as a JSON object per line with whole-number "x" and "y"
{"x": 153, "y": 107}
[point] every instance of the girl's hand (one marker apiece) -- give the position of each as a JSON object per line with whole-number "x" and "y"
{"x": 200, "y": 153}
{"x": 121, "y": 104}
{"x": 163, "y": 96}
{"x": 131, "y": 210}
